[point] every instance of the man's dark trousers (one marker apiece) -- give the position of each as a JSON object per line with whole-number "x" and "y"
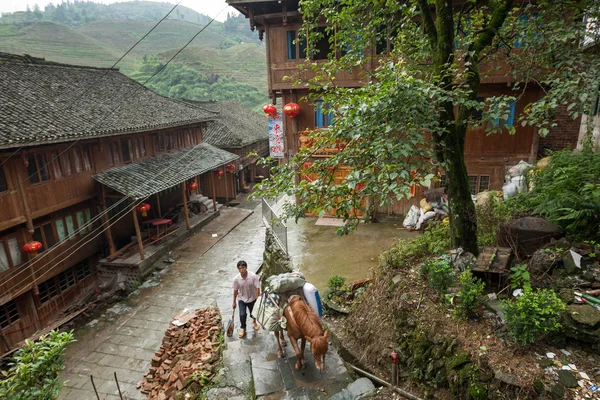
{"x": 243, "y": 314}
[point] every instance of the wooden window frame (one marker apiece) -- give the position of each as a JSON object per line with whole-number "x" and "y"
{"x": 37, "y": 162}
{"x": 129, "y": 151}
{"x": 297, "y": 51}
{"x": 4, "y": 187}
{"x": 159, "y": 143}
{"x": 326, "y": 118}
{"x": 4, "y": 243}
{"x": 113, "y": 148}
{"x": 477, "y": 187}
{"x": 8, "y": 311}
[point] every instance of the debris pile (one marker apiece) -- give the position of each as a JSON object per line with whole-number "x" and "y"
{"x": 189, "y": 352}
{"x": 562, "y": 375}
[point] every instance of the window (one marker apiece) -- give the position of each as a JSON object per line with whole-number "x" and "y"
{"x": 139, "y": 147}
{"x": 61, "y": 164}
{"x": 83, "y": 217}
{"x": 188, "y": 138}
{"x": 82, "y": 270}
{"x": 66, "y": 279}
{"x": 126, "y": 150}
{"x": 81, "y": 158}
{"x": 295, "y": 52}
{"x": 47, "y": 290}
{"x": 37, "y": 168}
{"x": 8, "y": 314}
{"x": 159, "y": 143}
{"x": 3, "y": 184}
{"x": 112, "y": 153}
{"x": 479, "y": 183}
{"x": 511, "y": 111}
{"x": 323, "y": 114}
{"x": 522, "y": 24}
{"x": 60, "y": 229}
{"x": 322, "y": 46}
{"x": 169, "y": 141}
{"x": 10, "y": 253}
{"x": 45, "y": 235}
{"x": 65, "y": 163}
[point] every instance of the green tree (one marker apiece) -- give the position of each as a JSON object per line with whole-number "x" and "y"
{"x": 425, "y": 93}
{"x": 33, "y": 372}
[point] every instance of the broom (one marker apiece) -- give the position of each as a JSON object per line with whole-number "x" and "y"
{"x": 230, "y": 324}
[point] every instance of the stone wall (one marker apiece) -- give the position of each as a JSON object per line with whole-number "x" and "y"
{"x": 275, "y": 260}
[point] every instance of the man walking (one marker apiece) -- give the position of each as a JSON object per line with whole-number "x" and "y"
{"x": 246, "y": 289}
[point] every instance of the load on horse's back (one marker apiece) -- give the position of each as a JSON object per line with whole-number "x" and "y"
{"x": 284, "y": 305}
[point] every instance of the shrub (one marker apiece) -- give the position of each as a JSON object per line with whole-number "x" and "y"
{"x": 404, "y": 254}
{"x": 33, "y": 373}
{"x": 490, "y": 216}
{"x": 533, "y": 314}
{"x": 520, "y": 278}
{"x": 336, "y": 283}
{"x": 567, "y": 192}
{"x": 439, "y": 273}
{"x": 470, "y": 294}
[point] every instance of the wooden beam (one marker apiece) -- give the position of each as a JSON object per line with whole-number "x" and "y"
{"x": 158, "y": 205}
{"x": 107, "y": 231}
{"x": 185, "y": 206}
{"x": 214, "y": 192}
{"x": 137, "y": 232}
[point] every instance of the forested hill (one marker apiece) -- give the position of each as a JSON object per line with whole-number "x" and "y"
{"x": 227, "y": 55}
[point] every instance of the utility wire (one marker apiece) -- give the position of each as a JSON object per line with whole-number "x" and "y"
{"x": 102, "y": 214}
{"x": 135, "y": 91}
{"x": 97, "y": 79}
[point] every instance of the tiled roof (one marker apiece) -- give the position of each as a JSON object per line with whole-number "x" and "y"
{"x": 158, "y": 173}
{"x": 235, "y": 126}
{"x": 42, "y": 102}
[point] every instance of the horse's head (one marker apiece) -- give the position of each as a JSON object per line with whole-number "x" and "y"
{"x": 318, "y": 348}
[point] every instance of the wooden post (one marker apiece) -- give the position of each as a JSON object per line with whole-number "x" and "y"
{"x": 185, "y": 206}
{"x": 107, "y": 231}
{"x": 138, "y": 234}
{"x": 212, "y": 184}
{"x": 158, "y": 206}
{"x": 226, "y": 191}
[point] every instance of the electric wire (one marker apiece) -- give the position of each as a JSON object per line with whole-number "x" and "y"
{"x": 98, "y": 78}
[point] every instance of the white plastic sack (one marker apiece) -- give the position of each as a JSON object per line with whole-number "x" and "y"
{"x": 426, "y": 216}
{"x": 286, "y": 282}
{"x": 519, "y": 169}
{"x": 411, "y": 217}
{"x": 509, "y": 190}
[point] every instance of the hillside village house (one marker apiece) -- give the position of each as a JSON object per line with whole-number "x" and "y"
{"x": 240, "y": 131}
{"x": 486, "y": 157}
{"x": 79, "y": 145}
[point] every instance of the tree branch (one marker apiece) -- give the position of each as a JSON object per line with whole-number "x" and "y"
{"x": 428, "y": 24}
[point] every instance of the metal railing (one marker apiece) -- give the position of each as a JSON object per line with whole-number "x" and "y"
{"x": 279, "y": 228}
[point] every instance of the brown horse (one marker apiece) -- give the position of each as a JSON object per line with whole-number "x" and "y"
{"x": 303, "y": 323}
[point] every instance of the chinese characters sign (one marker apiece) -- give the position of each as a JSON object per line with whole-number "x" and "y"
{"x": 276, "y": 135}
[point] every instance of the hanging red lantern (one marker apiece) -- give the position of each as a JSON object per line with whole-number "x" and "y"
{"x": 32, "y": 248}
{"x": 291, "y": 110}
{"x": 192, "y": 186}
{"x": 220, "y": 173}
{"x": 230, "y": 167}
{"x": 143, "y": 208}
{"x": 269, "y": 110}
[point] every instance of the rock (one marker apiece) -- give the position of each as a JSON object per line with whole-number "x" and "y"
{"x": 397, "y": 279}
{"x": 507, "y": 378}
{"x": 169, "y": 260}
{"x": 570, "y": 264}
{"x": 567, "y": 378}
{"x": 582, "y": 323}
{"x": 539, "y": 387}
{"x": 359, "y": 389}
{"x": 585, "y": 314}
{"x": 557, "y": 392}
{"x": 529, "y": 233}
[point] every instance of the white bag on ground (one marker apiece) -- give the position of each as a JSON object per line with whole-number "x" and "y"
{"x": 411, "y": 217}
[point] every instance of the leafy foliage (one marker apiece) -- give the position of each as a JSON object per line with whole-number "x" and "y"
{"x": 336, "y": 283}
{"x": 470, "y": 295}
{"x": 439, "y": 273}
{"x": 33, "y": 373}
{"x": 567, "y": 192}
{"x": 533, "y": 314}
{"x": 490, "y": 216}
{"x": 182, "y": 82}
{"x": 520, "y": 278}
{"x": 435, "y": 240}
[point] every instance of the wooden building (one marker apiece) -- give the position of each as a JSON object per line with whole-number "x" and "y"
{"x": 64, "y": 129}
{"x": 240, "y": 131}
{"x": 487, "y": 157}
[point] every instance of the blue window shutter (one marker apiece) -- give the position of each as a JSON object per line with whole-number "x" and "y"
{"x": 512, "y": 107}
{"x": 291, "y": 47}
{"x": 523, "y": 19}
{"x": 329, "y": 115}
{"x": 319, "y": 114}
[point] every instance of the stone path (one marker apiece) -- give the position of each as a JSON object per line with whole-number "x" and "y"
{"x": 125, "y": 338}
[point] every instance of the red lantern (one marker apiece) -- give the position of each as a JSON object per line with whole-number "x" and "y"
{"x": 32, "y": 248}
{"x": 291, "y": 110}
{"x": 220, "y": 173}
{"x": 230, "y": 168}
{"x": 192, "y": 186}
{"x": 143, "y": 208}
{"x": 270, "y": 110}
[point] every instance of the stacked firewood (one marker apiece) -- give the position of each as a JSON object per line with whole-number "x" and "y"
{"x": 188, "y": 354}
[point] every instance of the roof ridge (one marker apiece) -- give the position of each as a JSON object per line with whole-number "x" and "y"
{"x": 41, "y": 61}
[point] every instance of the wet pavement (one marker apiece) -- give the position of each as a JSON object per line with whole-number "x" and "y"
{"x": 125, "y": 337}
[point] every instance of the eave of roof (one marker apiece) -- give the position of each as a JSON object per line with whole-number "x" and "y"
{"x": 159, "y": 173}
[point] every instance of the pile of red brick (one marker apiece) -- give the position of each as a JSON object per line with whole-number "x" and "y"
{"x": 190, "y": 348}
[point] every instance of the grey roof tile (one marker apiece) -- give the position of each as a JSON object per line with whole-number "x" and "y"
{"x": 158, "y": 173}
{"x": 42, "y": 101}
